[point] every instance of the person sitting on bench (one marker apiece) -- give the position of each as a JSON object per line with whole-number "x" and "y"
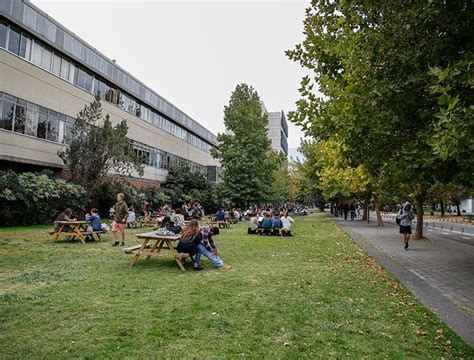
{"x": 95, "y": 223}
{"x": 254, "y": 224}
{"x": 267, "y": 225}
{"x": 276, "y": 224}
{"x": 286, "y": 222}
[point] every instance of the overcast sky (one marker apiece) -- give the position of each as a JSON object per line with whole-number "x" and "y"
{"x": 194, "y": 53}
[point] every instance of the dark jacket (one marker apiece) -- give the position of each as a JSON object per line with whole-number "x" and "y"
{"x": 189, "y": 246}
{"x": 121, "y": 212}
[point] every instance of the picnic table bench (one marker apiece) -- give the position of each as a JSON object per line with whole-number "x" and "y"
{"x": 161, "y": 242}
{"x": 261, "y": 231}
{"x": 77, "y": 229}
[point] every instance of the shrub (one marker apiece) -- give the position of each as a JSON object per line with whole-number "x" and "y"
{"x": 36, "y": 198}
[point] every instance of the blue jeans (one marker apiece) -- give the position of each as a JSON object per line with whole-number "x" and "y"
{"x": 215, "y": 260}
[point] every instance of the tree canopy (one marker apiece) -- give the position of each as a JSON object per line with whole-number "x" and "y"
{"x": 97, "y": 148}
{"x": 373, "y": 63}
{"x": 247, "y": 160}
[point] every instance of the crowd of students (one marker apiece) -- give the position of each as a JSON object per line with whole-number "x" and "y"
{"x": 270, "y": 223}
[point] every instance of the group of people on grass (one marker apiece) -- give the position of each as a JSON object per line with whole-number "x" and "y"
{"x": 269, "y": 222}
{"x": 234, "y": 215}
{"x": 195, "y": 240}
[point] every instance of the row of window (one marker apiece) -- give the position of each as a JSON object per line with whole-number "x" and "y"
{"x": 33, "y": 50}
{"x": 160, "y": 159}
{"x": 24, "y": 117}
{"x": 27, "y": 118}
{"x": 28, "y": 15}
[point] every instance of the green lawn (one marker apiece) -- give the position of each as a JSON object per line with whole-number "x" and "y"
{"x": 316, "y": 295}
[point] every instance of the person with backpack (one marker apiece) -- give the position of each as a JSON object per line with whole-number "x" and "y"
{"x": 405, "y": 219}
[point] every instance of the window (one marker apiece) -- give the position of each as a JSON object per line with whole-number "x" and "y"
{"x": 3, "y": 34}
{"x": 17, "y": 10}
{"x": 31, "y": 120}
{"x": 6, "y": 120}
{"x": 25, "y": 47}
{"x": 80, "y": 78}
{"x": 68, "y": 129}
{"x": 88, "y": 82}
{"x": 52, "y": 126}
{"x": 56, "y": 66}
{"x": 42, "y": 123}
{"x": 29, "y": 17}
{"x": 61, "y": 127}
{"x": 14, "y": 42}
{"x": 20, "y": 116}
{"x": 6, "y": 5}
{"x": 37, "y": 54}
{"x": 40, "y": 24}
{"x": 46, "y": 62}
{"x": 72, "y": 73}
{"x": 50, "y": 31}
{"x": 64, "y": 69}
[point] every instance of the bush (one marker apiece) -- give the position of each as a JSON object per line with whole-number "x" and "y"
{"x": 36, "y": 198}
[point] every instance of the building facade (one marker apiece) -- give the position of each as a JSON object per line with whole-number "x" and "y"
{"x": 48, "y": 74}
{"x": 277, "y": 130}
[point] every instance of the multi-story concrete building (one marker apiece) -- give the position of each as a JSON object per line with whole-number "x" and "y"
{"x": 277, "y": 130}
{"x": 48, "y": 74}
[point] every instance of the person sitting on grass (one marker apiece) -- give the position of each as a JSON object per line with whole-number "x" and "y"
{"x": 191, "y": 243}
{"x": 286, "y": 222}
{"x": 267, "y": 224}
{"x": 254, "y": 224}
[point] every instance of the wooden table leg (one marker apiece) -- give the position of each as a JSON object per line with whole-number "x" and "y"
{"x": 175, "y": 255}
{"x": 137, "y": 255}
{"x": 56, "y": 237}
{"x": 157, "y": 247}
{"x": 78, "y": 232}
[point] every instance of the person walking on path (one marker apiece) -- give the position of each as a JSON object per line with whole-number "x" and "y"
{"x": 405, "y": 217}
{"x": 120, "y": 218}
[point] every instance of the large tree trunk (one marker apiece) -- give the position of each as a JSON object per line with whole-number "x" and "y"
{"x": 377, "y": 210}
{"x": 419, "y": 217}
{"x": 458, "y": 208}
{"x": 441, "y": 203}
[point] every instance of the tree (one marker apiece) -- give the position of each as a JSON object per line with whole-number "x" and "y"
{"x": 244, "y": 150}
{"x": 371, "y": 61}
{"x": 97, "y": 148}
{"x": 183, "y": 186}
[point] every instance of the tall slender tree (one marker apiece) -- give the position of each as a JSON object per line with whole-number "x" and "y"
{"x": 244, "y": 151}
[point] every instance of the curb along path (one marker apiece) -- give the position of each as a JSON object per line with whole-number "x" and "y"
{"x": 439, "y": 272}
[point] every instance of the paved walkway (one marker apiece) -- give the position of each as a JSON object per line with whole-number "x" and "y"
{"x": 440, "y": 272}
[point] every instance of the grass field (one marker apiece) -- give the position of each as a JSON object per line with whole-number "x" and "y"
{"x": 316, "y": 295}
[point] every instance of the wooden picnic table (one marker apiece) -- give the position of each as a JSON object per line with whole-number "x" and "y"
{"x": 161, "y": 243}
{"x": 78, "y": 228}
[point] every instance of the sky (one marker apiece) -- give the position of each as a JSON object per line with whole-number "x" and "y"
{"x": 194, "y": 53}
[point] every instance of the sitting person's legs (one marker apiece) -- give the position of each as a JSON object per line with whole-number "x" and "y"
{"x": 214, "y": 259}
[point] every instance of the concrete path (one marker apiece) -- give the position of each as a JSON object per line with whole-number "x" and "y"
{"x": 440, "y": 272}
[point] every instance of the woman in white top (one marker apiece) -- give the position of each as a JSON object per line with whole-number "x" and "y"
{"x": 286, "y": 222}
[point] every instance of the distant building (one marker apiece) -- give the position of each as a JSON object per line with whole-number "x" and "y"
{"x": 277, "y": 130}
